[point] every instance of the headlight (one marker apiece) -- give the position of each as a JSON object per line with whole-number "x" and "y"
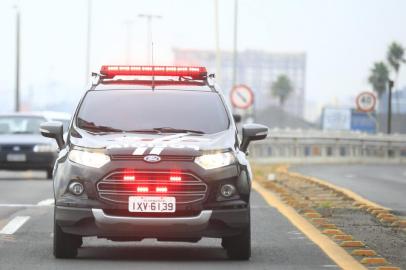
{"x": 45, "y": 148}
{"x": 217, "y": 160}
{"x": 90, "y": 159}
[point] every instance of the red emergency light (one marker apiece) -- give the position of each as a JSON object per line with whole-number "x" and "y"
{"x": 128, "y": 177}
{"x": 142, "y": 189}
{"x": 161, "y": 189}
{"x": 175, "y": 178}
{"x": 183, "y": 71}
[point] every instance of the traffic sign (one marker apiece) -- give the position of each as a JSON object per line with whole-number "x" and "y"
{"x": 242, "y": 96}
{"x": 365, "y": 102}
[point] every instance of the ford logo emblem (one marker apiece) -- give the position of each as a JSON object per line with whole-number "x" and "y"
{"x": 152, "y": 158}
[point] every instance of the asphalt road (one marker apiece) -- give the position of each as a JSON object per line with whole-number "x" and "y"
{"x": 381, "y": 183}
{"x": 276, "y": 243}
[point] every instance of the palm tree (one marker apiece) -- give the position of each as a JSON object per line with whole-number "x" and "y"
{"x": 282, "y": 88}
{"x": 395, "y": 56}
{"x": 379, "y": 78}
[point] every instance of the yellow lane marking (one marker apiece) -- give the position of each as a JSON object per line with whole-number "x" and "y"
{"x": 349, "y": 193}
{"x": 336, "y": 253}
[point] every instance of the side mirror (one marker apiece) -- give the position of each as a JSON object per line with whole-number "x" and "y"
{"x": 237, "y": 118}
{"x": 252, "y": 132}
{"x": 53, "y": 130}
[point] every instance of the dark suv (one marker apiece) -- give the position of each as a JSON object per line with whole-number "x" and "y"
{"x": 153, "y": 158}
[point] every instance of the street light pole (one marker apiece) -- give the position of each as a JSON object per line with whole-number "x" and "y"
{"x": 149, "y": 18}
{"x": 217, "y": 37}
{"x": 88, "y": 40}
{"x": 390, "y": 84}
{"x": 17, "y": 59}
{"x": 235, "y": 43}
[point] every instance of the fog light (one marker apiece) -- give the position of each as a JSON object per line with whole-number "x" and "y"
{"x": 227, "y": 190}
{"x": 76, "y": 188}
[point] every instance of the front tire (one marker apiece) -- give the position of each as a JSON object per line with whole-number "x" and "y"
{"x": 239, "y": 247}
{"x": 65, "y": 245}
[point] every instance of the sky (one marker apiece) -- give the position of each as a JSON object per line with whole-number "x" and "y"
{"x": 342, "y": 39}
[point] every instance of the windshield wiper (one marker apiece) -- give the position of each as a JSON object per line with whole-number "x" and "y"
{"x": 177, "y": 130}
{"x": 90, "y": 126}
{"x": 142, "y": 131}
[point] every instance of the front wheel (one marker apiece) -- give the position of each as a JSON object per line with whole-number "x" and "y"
{"x": 238, "y": 247}
{"x": 65, "y": 245}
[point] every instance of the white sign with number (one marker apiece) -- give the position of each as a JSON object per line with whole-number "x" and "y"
{"x": 366, "y": 102}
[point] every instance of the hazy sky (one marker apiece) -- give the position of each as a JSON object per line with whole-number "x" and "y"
{"x": 342, "y": 38}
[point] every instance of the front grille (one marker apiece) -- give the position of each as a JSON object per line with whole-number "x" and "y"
{"x": 114, "y": 189}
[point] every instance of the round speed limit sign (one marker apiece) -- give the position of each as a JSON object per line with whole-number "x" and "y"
{"x": 242, "y": 96}
{"x": 366, "y": 102}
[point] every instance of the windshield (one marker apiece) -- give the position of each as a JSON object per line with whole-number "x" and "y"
{"x": 156, "y": 111}
{"x": 20, "y": 124}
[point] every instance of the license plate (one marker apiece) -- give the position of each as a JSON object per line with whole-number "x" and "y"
{"x": 151, "y": 204}
{"x": 16, "y": 157}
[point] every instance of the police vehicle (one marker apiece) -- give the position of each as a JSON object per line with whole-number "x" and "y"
{"x": 153, "y": 152}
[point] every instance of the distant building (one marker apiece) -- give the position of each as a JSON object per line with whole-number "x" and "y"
{"x": 256, "y": 69}
{"x": 398, "y": 102}
{"x": 398, "y": 123}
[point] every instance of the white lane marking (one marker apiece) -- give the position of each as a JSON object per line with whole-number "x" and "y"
{"x": 14, "y": 224}
{"x": 49, "y": 201}
{"x": 349, "y": 175}
{"x": 139, "y": 151}
{"x": 297, "y": 238}
{"x": 330, "y": 266}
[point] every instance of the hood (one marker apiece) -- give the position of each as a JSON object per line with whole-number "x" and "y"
{"x": 22, "y": 139}
{"x": 187, "y": 144}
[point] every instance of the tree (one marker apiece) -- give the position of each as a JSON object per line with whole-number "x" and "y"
{"x": 282, "y": 88}
{"x": 379, "y": 78}
{"x": 395, "y": 56}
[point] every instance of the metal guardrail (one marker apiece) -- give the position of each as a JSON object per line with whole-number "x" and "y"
{"x": 315, "y": 146}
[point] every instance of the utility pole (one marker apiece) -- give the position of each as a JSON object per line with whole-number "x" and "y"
{"x": 18, "y": 60}
{"x": 235, "y": 43}
{"x": 390, "y": 84}
{"x": 217, "y": 38}
{"x": 149, "y": 18}
{"x": 88, "y": 40}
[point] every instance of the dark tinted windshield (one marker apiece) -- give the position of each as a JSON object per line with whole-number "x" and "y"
{"x": 20, "y": 124}
{"x": 130, "y": 110}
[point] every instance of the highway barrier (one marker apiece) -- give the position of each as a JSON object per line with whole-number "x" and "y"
{"x": 315, "y": 146}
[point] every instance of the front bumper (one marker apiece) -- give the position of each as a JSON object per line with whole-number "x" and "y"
{"x": 95, "y": 222}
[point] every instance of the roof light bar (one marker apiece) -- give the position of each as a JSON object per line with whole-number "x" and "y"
{"x": 112, "y": 71}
